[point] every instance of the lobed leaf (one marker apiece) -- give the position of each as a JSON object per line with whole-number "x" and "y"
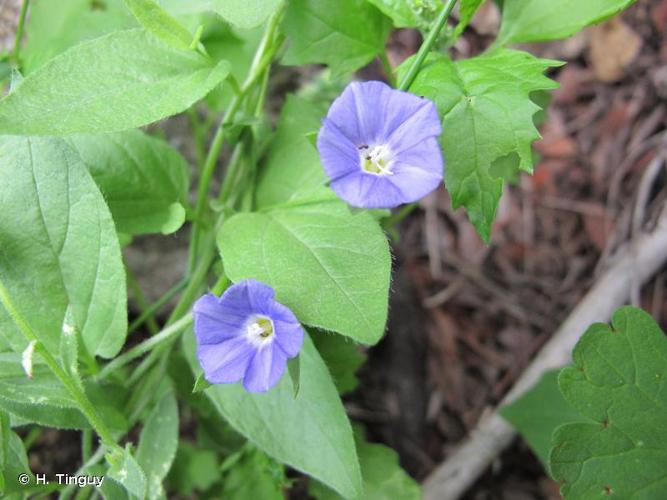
{"x": 143, "y": 179}
{"x": 617, "y": 382}
{"x": 343, "y": 34}
{"x": 59, "y": 248}
{"x": 487, "y": 115}
{"x": 310, "y": 432}
{"x": 329, "y": 266}
{"x": 96, "y": 87}
{"x": 543, "y": 20}
{"x": 539, "y": 412}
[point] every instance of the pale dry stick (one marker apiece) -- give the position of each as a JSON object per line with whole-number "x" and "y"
{"x": 639, "y": 260}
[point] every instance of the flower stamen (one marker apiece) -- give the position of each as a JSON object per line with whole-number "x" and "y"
{"x": 259, "y": 330}
{"x": 375, "y": 159}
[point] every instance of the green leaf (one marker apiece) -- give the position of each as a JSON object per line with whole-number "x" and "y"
{"x": 310, "y": 432}
{"x": 292, "y": 169}
{"x": 42, "y": 399}
{"x": 143, "y": 179}
{"x": 539, "y": 412}
{"x": 487, "y": 114}
{"x": 617, "y": 383}
{"x": 343, "y": 34}
{"x": 54, "y": 27}
{"x": 384, "y": 478}
{"x": 17, "y": 464}
{"x": 410, "y": 13}
{"x": 253, "y": 475}
{"x": 160, "y": 23}
{"x": 542, "y": 20}
{"x": 243, "y": 14}
{"x": 193, "y": 469}
{"x": 158, "y": 443}
{"x": 59, "y": 248}
{"x": 330, "y": 267}
{"x": 83, "y": 90}
{"x": 200, "y": 384}
{"x": 69, "y": 347}
{"x": 294, "y": 370}
{"x": 342, "y": 357}
{"x": 467, "y": 11}
{"x": 124, "y": 469}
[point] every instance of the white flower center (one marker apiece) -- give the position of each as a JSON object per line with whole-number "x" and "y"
{"x": 376, "y": 159}
{"x": 260, "y": 331}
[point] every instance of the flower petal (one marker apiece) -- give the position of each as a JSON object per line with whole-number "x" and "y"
{"x": 338, "y": 155}
{"x": 265, "y": 369}
{"x": 419, "y": 122}
{"x": 215, "y": 320}
{"x": 227, "y": 361}
{"x": 368, "y": 191}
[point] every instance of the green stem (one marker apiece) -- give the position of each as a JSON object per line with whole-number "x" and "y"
{"x": 86, "y": 444}
{"x": 425, "y": 48}
{"x": 19, "y": 31}
{"x": 157, "y": 305}
{"x": 70, "y": 384}
{"x": 139, "y": 297}
{"x": 263, "y": 58}
{"x": 147, "y": 345}
{"x": 388, "y": 70}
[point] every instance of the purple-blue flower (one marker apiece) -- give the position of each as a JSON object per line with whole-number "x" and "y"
{"x": 245, "y": 335}
{"x": 379, "y": 146}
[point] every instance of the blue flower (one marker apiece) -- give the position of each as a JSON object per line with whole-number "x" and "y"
{"x": 379, "y": 146}
{"x": 245, "y": 335}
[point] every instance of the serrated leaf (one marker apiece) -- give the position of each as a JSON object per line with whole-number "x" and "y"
{"x": 467, "y": 11}
{"x": 292, "y": 168}
{"x": 124, "y": 469}
{"x": 542, "y": 20}
{"x": 617, "y": 382}
{"x": 143, "y": 179}
{"x": 59, "y": 248}
{"x": 343, "y": 34}
{"x": 53, "y": 27}
{"x": 330, "y": 267}
{"x": 160, "y": 23}
{"x": 310, "y": 432}
{"x": 95, "y": 87}
{"x": 539, "y": 412}
{"x": 384, "y": 478}
{"x": 342, "y": 357}
{"x": 158, "y": 443}
{"x": 487, "y": 114}
{"x": 410, "y": 13}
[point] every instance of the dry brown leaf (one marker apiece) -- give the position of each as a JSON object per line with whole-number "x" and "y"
{"x": 614, "y": 45}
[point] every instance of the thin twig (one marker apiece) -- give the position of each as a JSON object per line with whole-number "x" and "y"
{"x": 641, "y": 258}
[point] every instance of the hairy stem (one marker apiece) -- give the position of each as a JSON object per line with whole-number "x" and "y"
{"x": 161, "y": 338}
{"x": 70, "y": 384}
{"x": 425, "y": 48}
{"x": 263, "y": 58}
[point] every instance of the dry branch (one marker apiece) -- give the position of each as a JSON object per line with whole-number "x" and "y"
{"x": 634, "y": 263}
